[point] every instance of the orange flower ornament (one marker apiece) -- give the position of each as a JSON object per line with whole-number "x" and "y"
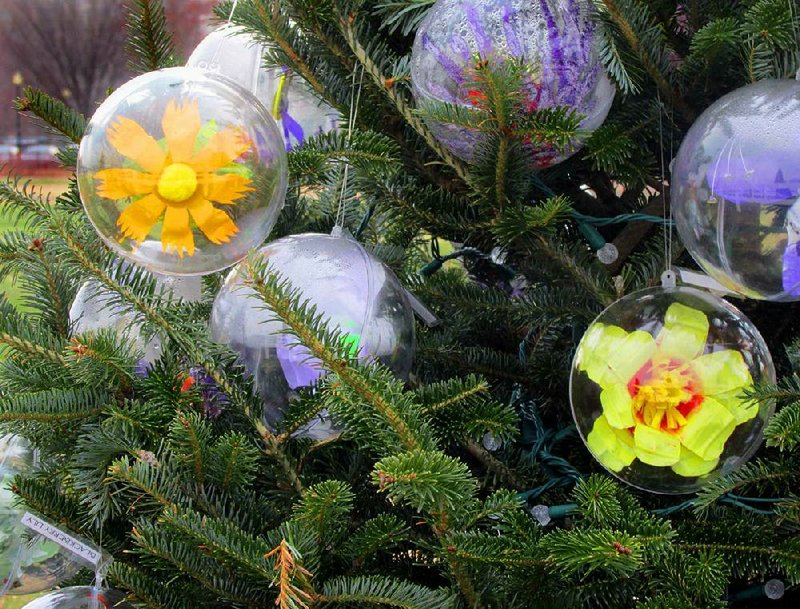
{"x": 664, "y": 400}
{"x": 185, "y": 181}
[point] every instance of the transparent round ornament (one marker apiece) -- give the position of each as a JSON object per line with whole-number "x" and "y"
{"x": 658, "y": 389}
{"x": 81, "y": 597}
{"x": 355, "y": 291}
{"x": 233, "y": 52}
{"x": 555, "y": 40}
{"x": 28, "y": 563}
{"x": 736, "y": 191}
{"x": 182, "y": 171}
{"x": 94, "y": 309}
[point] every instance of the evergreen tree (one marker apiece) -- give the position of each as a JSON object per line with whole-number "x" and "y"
{"x": 407, "y": 509}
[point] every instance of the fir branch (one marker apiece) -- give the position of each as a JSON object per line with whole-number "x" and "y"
{"x": 381, "y": 591}
{"x": 584, "y": 552}
{"x": 783, "y": 430}
{"x": 54, "y": 113}
{"x": 274, "y": 27}
{"x": 429, "y": 481}
{"x": 151, "y": 590}
{"x": 371, "y": 385}
{"x": 149, "y": 42}
{"x": 379, "y": 534}
{"x": 396, "y": 96}
{"x": 367, "y": 151}
{"x": 53, "y": 406}
{"x": 626, "y": 21}
{"x": 152, "y": 314}
{"x": 290, "y": 595}
{"x": 325, "y": 508}
{"x": 755, "y": 473}
{"x": 402, "y": 15}
{"x": 223, "y": 540}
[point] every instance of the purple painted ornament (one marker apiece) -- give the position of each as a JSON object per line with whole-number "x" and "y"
{"x": 358, "y": 294}
{"x": 556, "y": 41}
{"x": 736, "y": 190}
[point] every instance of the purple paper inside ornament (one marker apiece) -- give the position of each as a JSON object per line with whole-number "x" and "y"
{"x": 791, "y": 268}
{"x": 560, "y": 62}
{"x": 769, "y": 178}
{"x": 300, "y": 368}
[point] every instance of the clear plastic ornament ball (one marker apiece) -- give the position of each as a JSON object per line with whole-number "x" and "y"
{"x": 232, "y": 52}
{"x": 182, "y": 172}
{"x": 736, "y": 190}
{"x": 94, "y": 309}
{"x": 27, "y": 565}
{"x": 658, "y": 389}
{"x": 555, "y": 40}
{"x": 355, "y": 291}
{"x": 81, "y": 597}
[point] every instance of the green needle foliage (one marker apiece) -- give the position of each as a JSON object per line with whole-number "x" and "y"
{"x": 466, "y": 486}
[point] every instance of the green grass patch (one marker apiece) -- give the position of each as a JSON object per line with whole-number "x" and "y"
{"x": 7, "y": 284}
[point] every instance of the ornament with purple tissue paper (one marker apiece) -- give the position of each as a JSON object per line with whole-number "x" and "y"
{"x": 735, "y": 186}
{"x": 555, "y": 40}
{"x": 234, "y": 53}
{"x": 358, "y": 295}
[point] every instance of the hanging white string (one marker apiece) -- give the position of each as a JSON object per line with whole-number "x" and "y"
{"x": 233, "y": 10}
{"x": 669, "y": 226}
{"x": 355, "y": 99}
{"x": 667, "y": 230}
{"x": 212, "y": 63}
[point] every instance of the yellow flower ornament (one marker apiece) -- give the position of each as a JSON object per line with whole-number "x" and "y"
{"x": 178, "y": 183}
{"x": 182, "y": 172}
{"x": 667, "y": 399}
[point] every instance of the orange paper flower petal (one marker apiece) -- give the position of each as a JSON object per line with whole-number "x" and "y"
{"x": 222, "y": 149}
{"x": 181, "y": 124}
{"x": 118, "y": 184}
{"x": 133, "y": 142}
{"x": 215, "y": 223}
{"x": 224, "y": 189}
{"x": 137, "y": 220}
{"x": 176, "y": 233}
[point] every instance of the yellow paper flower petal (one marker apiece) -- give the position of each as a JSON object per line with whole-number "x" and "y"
{"x": 137, "y": 220}
{"x": 215, "y": 223}
{"x": 684, "y": 334}
{"x": 707, "y": 429}
{"x": 224, "y": 189}
{"x": 176, "y": 233}
{"x": 222, "y": 149}
{"x": 656, "y": 447}
{"x": 613, "y": 448}
{"x": 133, "y": 142}
{"x": 618, "y": 406}
{"x": 742, "y": 408}
{"x": 181, "y": 124}
{"x": 611, "y": 356}
{"x": 690, "y": 465}
{"x": 123, "y": 183}
{"x": 721, "y": 372}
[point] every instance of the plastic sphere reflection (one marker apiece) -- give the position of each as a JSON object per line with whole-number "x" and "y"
{"x": 658, "y": 384}
{"x": 355, "y": 291}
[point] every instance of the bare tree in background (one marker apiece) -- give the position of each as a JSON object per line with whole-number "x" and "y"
{"x": 73, "y": 49}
